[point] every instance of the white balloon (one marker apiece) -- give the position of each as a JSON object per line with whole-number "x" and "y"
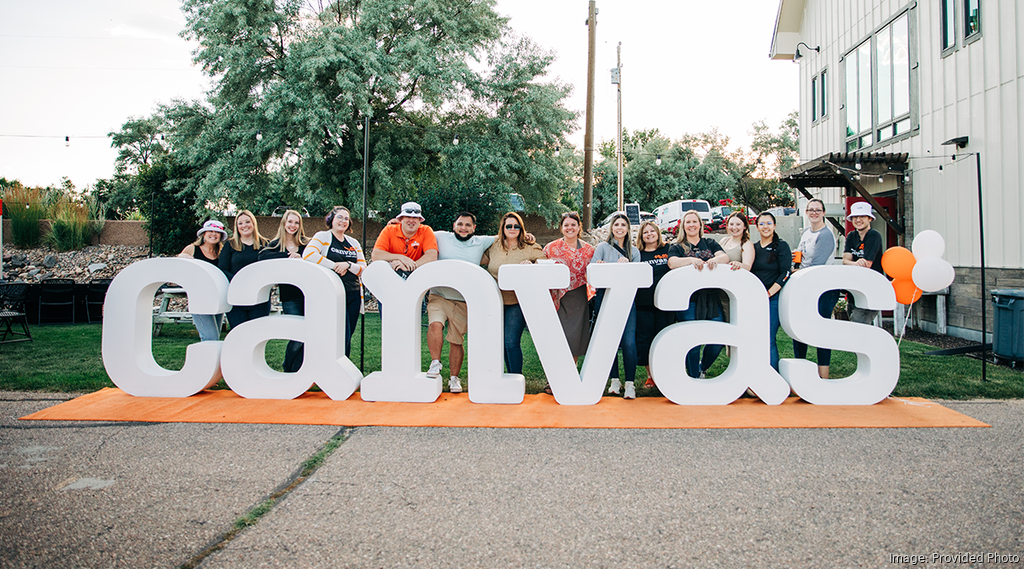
{"x": 932, "y": 274}
{"x": 928, "y": 243}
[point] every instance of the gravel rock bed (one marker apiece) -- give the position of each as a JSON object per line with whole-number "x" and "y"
{"x": 84, "y": 265}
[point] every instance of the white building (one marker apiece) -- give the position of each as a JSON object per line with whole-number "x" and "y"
{"x": 883, "y": 85}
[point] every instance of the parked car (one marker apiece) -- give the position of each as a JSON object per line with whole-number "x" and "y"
{"x": 782, "y": 211}
{"x": 669, "y": 214}
{"x": 720, "y": 213}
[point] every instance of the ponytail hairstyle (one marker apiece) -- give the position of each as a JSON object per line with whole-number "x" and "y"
{"x": 772, "y": 255}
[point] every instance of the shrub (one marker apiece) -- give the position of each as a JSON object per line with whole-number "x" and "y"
{"x": 70, "y": 228}
{"x": 25, "y": 208}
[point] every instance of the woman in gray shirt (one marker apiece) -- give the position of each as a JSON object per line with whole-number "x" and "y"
{"x": 618, "y": 249}
{"x": 817, "y": 247}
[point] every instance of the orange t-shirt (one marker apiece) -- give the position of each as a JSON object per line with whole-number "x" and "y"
{"x": 392, "y": 240}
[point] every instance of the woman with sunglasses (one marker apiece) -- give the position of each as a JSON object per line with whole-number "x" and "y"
{"x": 573, "y": 303}
{"x": 618, "y": 249}
{"x": 513, "y": 247}
{"x": 288, "y": 244}
{"x": 243, "y": 250}
{"x": 649, "y": 319}
{"x": 817, "y": 247}
{"x": 342, "y": 254}
{"x": 692, "y": 248}
{"x": 772, "y": 261}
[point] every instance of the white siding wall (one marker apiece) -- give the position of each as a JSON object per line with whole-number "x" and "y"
{"x": 976, "y": 91}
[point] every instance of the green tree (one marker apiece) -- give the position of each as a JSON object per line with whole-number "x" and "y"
{"x": 294, "y": 82}
{"x": 771, "y": 154}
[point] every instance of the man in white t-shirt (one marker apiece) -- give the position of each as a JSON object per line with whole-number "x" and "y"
{"x": 446, "y": 304}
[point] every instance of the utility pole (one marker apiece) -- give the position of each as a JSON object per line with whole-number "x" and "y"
{"x": 617, "y": 81}
{"x": 588, "y": 139}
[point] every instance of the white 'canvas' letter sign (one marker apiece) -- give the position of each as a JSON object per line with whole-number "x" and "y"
{"x": 400, "y": 378}
{"x": 321, "y": 330}
{"x": 128, "y": 327}
{"x": 878, "y": 356}
{"x": 747, "y": 332}
{"x": 532, "y": 284}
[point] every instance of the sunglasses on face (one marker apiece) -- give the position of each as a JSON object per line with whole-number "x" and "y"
{"x": 411, "y": 211}
{"x": 511, "y": 226}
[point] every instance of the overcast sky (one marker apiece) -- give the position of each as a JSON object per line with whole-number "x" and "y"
{"x": 81, "y": 69}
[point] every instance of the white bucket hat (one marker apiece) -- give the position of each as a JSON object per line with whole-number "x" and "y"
{"x": 860, "y": 208}
{"x": 213, "y": 225}
{"x": 410, "y": 209}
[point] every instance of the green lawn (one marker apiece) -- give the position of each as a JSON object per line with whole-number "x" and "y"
{"x": 67, "y": 358}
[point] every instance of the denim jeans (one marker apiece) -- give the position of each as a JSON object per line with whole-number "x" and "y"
{"x": 627, "y": 342}
{"x": 773, "y": 329}
{"x": 514, "y": 326}
{"x": 695, "y": 364}
{"x": 240, "y": 314}
{"x": 649, "y": 322}
{"x": 826, "y": 303}
{"x": 208, "y": 326}
{"x": 293, "y": 352}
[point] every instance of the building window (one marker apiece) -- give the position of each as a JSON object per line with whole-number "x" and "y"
{"x": 972, "y": 18}
{"x": 819, "y": 96}
{"x": 878, "y": 86}
{"x": 947, "y": 20}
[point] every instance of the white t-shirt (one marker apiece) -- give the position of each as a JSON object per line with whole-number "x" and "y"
{"x": 470, "y": 250}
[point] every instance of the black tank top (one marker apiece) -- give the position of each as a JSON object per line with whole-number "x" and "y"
{"x": 199, "y": 256}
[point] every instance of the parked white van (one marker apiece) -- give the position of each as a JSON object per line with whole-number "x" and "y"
{"x": 669, "y": 214}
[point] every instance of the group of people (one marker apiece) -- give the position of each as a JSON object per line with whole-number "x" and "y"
{"x": 408, "y": 244}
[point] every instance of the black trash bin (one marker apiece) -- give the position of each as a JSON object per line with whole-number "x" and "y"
{"x": 1008, "y": 332}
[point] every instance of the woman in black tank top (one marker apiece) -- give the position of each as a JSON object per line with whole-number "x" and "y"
{"x": 207, "y": 248}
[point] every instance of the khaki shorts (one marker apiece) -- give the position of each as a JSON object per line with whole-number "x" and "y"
{"x": 440, "y": 309}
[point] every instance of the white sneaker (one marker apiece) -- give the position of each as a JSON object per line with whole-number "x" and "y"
{"x": 434, "y": 370}
{"x": 630, "y": 392}
{"x": 614, "y": 387}
{"x": 702, "y": 376}
{"x": 455, "y": 384}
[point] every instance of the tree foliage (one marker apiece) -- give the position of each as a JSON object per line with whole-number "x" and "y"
{"x": 294, "y": 82}
{"x": 697, "y": 166}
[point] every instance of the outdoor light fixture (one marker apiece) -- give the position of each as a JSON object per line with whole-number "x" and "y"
{"x": 658, "y": 161}
{"x": 798, "y": 55}
{"x": 960, "y": 142}
{"x": 456, "y": 141}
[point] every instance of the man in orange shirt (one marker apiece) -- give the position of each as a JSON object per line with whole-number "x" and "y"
{"x": 407, "y": 244}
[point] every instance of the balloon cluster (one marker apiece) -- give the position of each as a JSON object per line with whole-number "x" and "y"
{"x": 922, "y": 271}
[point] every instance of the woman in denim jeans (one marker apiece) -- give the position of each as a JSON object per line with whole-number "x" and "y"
{"x": 618, "y": 249}
{"x": 207, "y": 248}
{"x": 287, "y": 244}
{"x": 513, "y": 247}
{"x": 772, "y": 261}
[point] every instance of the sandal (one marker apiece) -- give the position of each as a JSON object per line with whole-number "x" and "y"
{"x": 547, "y": 389}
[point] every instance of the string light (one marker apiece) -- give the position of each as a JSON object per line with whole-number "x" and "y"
{"x": 456, "y": 140}
{"x": 558, "y": 151}
{"x": 658, "y": 161}
{"x": 857, "y": 165}
{"x": 259, "y": 135}
{"x": 67, "y": 141}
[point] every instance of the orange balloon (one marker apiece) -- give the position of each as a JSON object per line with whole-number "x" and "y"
{"x": 898, "y": 263}
{"x": 906, "y": 291}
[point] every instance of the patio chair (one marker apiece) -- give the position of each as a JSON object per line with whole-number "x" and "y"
{"x": 94, "y": 297}
{"x": 12, "y": 311}
{"x": 56, "y": 294}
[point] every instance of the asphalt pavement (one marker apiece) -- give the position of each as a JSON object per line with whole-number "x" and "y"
{"x": 169, "y": 495}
